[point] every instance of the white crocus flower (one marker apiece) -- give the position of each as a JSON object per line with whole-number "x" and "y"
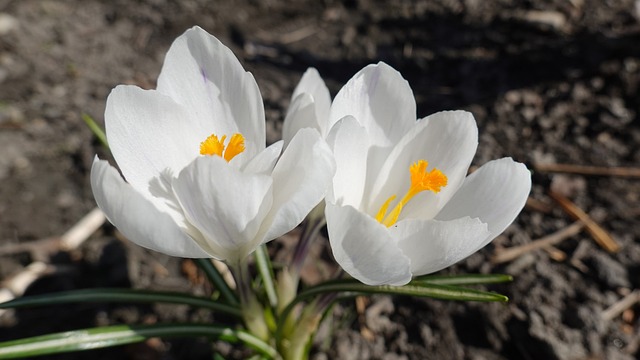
{"x": 401, "y": 204}
{"x": 199, "y": 180}
{"x": 309, "y": 108}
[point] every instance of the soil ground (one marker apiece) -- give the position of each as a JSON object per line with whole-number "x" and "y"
{"x": 552, "y": 81}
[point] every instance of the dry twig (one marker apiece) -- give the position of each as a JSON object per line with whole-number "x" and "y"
{"x": 81, "y": 231}
{"x": 538, "y": 205}
{"x": 38, "y": 249}
{"x": 599, "y": 234}
{"x": 589, "y": 170}
{"x": 361, "y": 308}
{"x": 17, "y": 284}
{"x": 299, "y": 34}
{"x": 555, "y": 254}
{"x": 549, "y": 240}
{"x": 619, "y": 307}
{"x": 72, "y": 239}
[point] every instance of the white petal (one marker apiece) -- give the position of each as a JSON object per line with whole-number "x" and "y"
{"x": 301, "y": 115}
{"x": 495, "y": 193}
{"x": 301, "y": 179}
{"x": 381, "y": 100}
{"x": 204, "y": 76}
{"x": 364, "y": 248}
{"x": 447, "y": 141}
{"x": 434, "y": 245}
{"x": 350, "y": 144}
{"x": 136, "y": 217}
{"x": 264, "y": 162}
{"x": 148, "y": 134}
{"x": 311, "y": 83}
{"x": 225, "y": 204}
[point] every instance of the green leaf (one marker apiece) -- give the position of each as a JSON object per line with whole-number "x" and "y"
{"x": 95, "y": 338}
{"x": 465, "y": 279}
{"x": 119, "y": 295}
{"x": 450, "y": 292}
{"x": 444, "y": 292}
{"x": 447, "y": 292}
{"x": 266, "y": 273}
{"x": 95, "y": 129}
{"x": 217, "y": 280}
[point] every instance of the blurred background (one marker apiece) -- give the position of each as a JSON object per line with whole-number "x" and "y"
{"x": 551, "y": 83}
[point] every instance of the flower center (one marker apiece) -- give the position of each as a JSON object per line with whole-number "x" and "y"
{"x": 214, "y": 146}
{"x": 421, "y": 180}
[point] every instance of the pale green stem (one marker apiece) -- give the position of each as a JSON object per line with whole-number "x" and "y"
{"x": 252, "y": 310}
{"x": 287, "y": 288}
{"x": 266, "y": 272}
{"x": 95, "y": 129}
{"x": 206, "y": 265}
{"x": 297, "y": 342}
{"x": 315, "y": 222}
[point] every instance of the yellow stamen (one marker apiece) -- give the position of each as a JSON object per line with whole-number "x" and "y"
{"x": 421, "y": 180}
{"x": 383, "y": 210}
{"x": 214, "y": 146}
{"x": 235, "y": 147}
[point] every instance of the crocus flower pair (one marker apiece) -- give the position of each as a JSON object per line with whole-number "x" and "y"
{"x": 201, "y": 183}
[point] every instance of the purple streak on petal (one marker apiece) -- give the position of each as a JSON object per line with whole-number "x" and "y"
{"x": 204, "y": 75}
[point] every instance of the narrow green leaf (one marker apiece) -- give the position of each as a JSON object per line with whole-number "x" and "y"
{"x": 119, "y": 295}
{"x": 95, "y": 129}
{"x": 423, "y": 290}
{"x": 444, "y": 292}
{"x": 457, "y": 293}
{"x": 95, "y": 338}
{"x": 217, "y": 280}
{"x": 465, "y": 279}
{"x": 266, "y": 273}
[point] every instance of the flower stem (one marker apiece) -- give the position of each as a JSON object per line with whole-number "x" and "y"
{"x": 266, "y": 272}
{"x": 289, "y": 277}
{"x": 252, "y": 310}
{"x": 296, "y": 345}
{"x": 206, "y": 265}
{"x": 315, "y": 222}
